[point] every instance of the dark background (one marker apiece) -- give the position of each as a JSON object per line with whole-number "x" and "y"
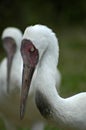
{"x": 57, "y": 14}
{"x": 22, "y": 13}
{"x": 68, "y": 21}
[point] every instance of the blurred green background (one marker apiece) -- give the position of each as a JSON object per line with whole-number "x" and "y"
{"x": 68, "y": 21}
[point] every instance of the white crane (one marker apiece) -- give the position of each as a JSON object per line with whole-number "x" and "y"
{"x": 40, "y": 53}
{"x": 10, "y": 37}
{"x": 11, "y": 71}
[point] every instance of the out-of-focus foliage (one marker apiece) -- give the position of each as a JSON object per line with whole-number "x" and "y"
{"x": 24, "y": 12}
{"x": 55, "y": 14}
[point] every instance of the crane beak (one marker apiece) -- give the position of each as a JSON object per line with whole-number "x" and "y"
{"x": 30, "y": 57}
{"x": 10, "y": 48}
{"x": 9, "y": 64}
{"x": 26, "y": 81}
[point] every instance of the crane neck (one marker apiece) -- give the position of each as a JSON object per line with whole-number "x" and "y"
{"x": 51, "y": 106}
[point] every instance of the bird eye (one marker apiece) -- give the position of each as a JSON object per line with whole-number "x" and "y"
{"x": 32, "y": 49}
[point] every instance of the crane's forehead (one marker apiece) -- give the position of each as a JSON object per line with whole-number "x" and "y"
{"x": 13, "y": 33}
{"x": 37, "y": 38}
{"x": 41, "y": 36}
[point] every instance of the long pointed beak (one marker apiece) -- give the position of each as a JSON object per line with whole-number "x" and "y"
{"x": 26, "y": 81}
{"x": 10, "y": 48}
{"x": 30, "y": 57}
{"x": 9, "y": 65}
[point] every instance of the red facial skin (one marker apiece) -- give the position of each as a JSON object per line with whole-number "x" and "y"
{"x": 30, "y": 57}
{"x": 29, "y": 53}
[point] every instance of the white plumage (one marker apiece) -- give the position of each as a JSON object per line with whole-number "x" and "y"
{"x": 69, "y": 113}
{"x": 16, "y": 35}
{"x": 10, "y": 102}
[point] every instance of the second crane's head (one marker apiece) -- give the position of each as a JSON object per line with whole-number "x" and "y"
{"x": 11, "y": 39}
{"x": 37, "y": 40}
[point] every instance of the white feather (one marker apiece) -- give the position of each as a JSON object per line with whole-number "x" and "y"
{"x": 69, "y": 113}
{"x": 10, "y": 103}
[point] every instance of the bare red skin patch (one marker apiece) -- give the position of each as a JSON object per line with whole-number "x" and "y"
{"x": 29, "y": 53}
{"x": 9, "y": 46}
